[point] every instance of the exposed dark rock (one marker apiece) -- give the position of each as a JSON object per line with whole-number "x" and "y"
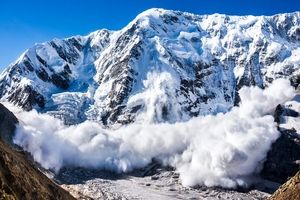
{"x": 295, "y": 81}
{"x": 7, "y": 125}
{"x": 26, "y": 97}
{"x": 283, "y": 160}
{"x": 19, "y": 178}
{"x": 42, "y": 61}
{"x": 60, "y": 80}
{"x": 75, "y": 43}
{"x": 279, "y": 110}
{"x": 28, "y": 64}
{"x": 70, "y": 55}
{"x": 118, "y": 96}
{"x": 169, "y": 19}
{"x": 42, "y": 74}
{"x": 67, "y": 69}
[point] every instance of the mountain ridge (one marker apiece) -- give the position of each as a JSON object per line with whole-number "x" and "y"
{"x": 164, "y": 66}
{"x": 108, "y": 75}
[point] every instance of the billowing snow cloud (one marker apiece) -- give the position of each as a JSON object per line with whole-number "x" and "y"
{"x": 219, "y": 150}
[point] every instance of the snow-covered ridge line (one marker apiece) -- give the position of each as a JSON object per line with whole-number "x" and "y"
{"x": 182, "y": 64}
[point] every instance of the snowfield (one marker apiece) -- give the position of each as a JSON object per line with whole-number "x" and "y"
{"x": 199, "y": 63}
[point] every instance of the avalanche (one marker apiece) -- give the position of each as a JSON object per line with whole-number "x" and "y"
{"x": 164, "y": 87}
{"x": 221, "y": 150}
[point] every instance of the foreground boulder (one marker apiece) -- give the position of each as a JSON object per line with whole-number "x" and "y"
{"x": 19, "y": 178}
{"x": 289, "y": 190}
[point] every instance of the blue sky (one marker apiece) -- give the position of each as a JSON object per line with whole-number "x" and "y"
{"x": 24, "y": 23}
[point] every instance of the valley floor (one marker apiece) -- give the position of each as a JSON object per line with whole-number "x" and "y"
{"x": 149, "y": 183}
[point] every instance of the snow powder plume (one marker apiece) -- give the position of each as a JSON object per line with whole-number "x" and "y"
{"x": 220, "y": 150}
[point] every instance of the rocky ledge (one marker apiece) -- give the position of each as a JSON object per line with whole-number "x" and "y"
{"x": 289, "y": 190}
{"x": 19, "y": 177}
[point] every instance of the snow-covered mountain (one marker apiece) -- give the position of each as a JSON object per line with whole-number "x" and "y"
{"x": 163, "y": 66}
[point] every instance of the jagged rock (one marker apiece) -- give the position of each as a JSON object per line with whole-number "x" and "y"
{"x": 19, "y": 178}
{"x": 26, "y": 98}
{"x": 8, "y": 123}
{"x": 283, "y": 160}
{"x": 288, "y": 191}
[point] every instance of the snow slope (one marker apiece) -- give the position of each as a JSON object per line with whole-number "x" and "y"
{"x": 163, "y": 66}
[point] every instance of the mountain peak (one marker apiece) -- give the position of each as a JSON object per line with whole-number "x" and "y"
{"x": 154, "y": 12}
{"x": 193, "y": 64}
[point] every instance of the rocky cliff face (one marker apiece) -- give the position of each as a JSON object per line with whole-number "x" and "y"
{"x": 175, "y": 65}
{"x": 19, "y": 178}
{"x": 283, "y": 160}
{"x": 289, "y": 190}
{"x": 7, "y": 125}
